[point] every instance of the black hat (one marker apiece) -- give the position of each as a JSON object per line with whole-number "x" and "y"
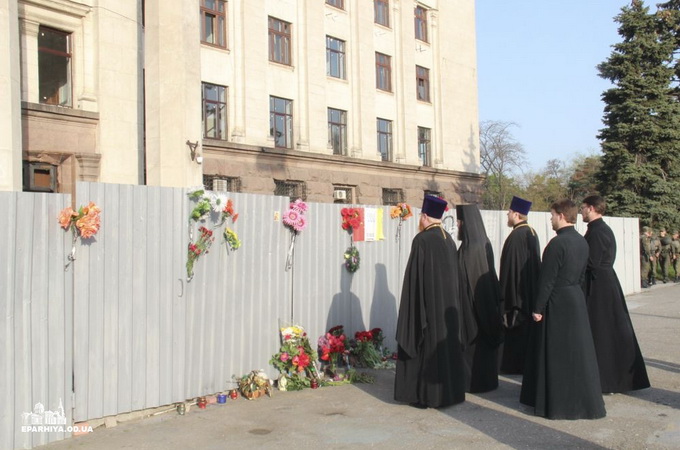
{"x": 434, "y": 206}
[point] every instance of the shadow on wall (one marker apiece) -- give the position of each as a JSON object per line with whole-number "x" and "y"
{"x": 345, "y": 307}
{"x": 383, "y": 305}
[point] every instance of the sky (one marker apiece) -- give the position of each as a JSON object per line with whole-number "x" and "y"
{"x": 536, "y": 63}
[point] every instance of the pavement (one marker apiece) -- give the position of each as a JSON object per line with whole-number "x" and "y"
{"x": 365, "y": 415}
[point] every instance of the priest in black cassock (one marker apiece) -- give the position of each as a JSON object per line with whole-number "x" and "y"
{"x": 430, "y": 369}
{"x": 561, "y": 379}
{"x": 520, "y": 265}
{"x": 622, "y": 368}
{"x": 481, "y": 320}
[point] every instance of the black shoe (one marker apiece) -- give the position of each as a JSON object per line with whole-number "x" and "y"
{"x": 645, "y": 285}
{"x": 418, "y": 405}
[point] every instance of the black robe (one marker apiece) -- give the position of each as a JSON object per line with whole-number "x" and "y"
{"x": 561, "y": 378}
{"x": 619, "y": 358}
{"x": 430, "y": 368}
{"x": 520, "y": 265}
{"x": 481, "y": 320}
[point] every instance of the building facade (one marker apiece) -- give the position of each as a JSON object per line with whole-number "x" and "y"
{"x": 356, "y": 101}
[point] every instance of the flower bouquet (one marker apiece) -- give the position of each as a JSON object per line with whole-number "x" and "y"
{"x": 363, "y": 348}
{"x": 401, "y": 211}
{"x": 333, "y": 351}
{"x": 294, "y": 219}
{"x": 351, "y": 219}
{"x": 198, "y": 248}
{"x": 295, "y": 360}
{"x": 84, "y": 223}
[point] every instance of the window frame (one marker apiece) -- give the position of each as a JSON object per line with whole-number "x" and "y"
{"x": 381, "y": 9}
{"x": 219, "y": 23}
{"x": 423, "y": 91}
{"x": 335, "y": 54}
{"x": 287, "y": 117}
{"x": 420, "y": 20}
{"x": 397, "y": 193}
{"x": 341, "y": 128}
{"x": 383, "y": 72}
{"x": 425, "y": 146}
{"x": 221, "y": 121}
{"x": 280, "y": 38}
{"x": 384, "y": 136}
{"x": 44, "y": 51}
{"x": 340, "y": 4}
{"x": 295, "y": 189}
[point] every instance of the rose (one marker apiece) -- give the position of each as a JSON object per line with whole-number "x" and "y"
{"x": 284, "y": 357}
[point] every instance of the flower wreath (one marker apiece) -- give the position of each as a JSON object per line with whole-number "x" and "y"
{"x": 352, "y": 259}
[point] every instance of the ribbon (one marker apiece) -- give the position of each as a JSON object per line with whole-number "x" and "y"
{"x": 291, "y": 252}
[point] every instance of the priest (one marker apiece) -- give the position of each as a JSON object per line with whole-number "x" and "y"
{"x": 520, "y": 265}
{"x": 622, "y": 368}
{"x": 561, "y": 379}
{"x": 430, "y": 370}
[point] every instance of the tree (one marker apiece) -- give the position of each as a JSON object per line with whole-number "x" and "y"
{"x": 583, "y": 176}
{"x": 640, "y": 173}
{"x": 501, "y": 155}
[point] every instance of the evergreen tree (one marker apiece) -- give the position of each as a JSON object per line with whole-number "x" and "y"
{"x": 640, "y": 173}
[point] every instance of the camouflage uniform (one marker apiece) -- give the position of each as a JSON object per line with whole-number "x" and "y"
{"x": 645, "y": 254}
{"x": 653, "y": 262}
{"x": 675, "y": 254}
{"x": 664, "y": 253}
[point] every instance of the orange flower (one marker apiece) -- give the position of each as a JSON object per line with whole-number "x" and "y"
{"x": 395, "y": 212}
{"x": 88, "y": 225}
{"x": 65, "y": 217}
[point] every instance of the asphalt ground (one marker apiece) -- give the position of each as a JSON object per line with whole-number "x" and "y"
{"x": 365, "y": 415}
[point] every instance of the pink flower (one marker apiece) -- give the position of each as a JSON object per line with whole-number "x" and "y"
{"x": 300, "y": 224}
{"x": 291, "y": 217}
{"x": 285, "y": 357}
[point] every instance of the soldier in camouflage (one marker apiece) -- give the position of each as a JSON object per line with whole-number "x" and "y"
{"x": 675, "y": 254}
{"x": 664, "y": 253}
{"x": 653, "y": 261}
{"x": 646, "y": 255}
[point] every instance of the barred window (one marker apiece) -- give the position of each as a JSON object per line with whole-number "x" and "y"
{"x": 293, "y": 189}
{"x": 392, "y": 196}
{"x": 221, "y": 183}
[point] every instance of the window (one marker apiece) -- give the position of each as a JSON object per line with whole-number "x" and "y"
{"x": 385, "y": 139}
{"x": 383, "y": 72}
{"x": 279, "y": 41}
{"x": 337, "y": 130}
{"x": 281, "y": 121}
{"x": 424, "y": 146}
{"x": 291, "y": 188}
{"x": 423, "y": 83}
{"x": 213, "y": 22}
{"x": 335, "y": 57}
{"x": 392, "y": 196}
{"x": 337, "y": 3}
{"x": 214, "y": 111}
{"x": 221, "y": 183}
{"x": 54, "y": 67}
{"x": 381, "y": 10}
{"x": 421, "y": 23}
{"x": 40, "y": 177}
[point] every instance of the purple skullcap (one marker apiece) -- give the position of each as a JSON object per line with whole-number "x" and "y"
{"x": 519, "y": 205}
{"x": 433, "y": 206}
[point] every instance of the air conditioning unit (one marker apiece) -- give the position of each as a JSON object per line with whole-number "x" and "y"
{"x": 339, "y": 194}
{"x": 220, "y": 184}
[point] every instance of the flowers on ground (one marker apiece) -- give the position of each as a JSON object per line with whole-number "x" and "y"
{"x": 365, "y": 350}
{"x": 295, "y": 359}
